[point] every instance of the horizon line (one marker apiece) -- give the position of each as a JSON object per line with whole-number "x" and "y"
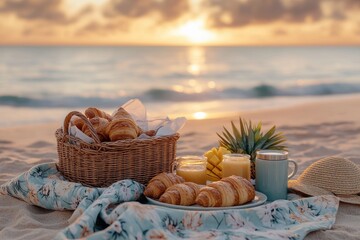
{"x": 174, "y": 45}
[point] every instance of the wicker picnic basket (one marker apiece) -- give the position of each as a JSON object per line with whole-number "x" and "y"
{"x": 100, "y": 164}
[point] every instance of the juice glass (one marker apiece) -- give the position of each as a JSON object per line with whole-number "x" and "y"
{"x": 236, "y": 164}
{"x": 191, "y": 168}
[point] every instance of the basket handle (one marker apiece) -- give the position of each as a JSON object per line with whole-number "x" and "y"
{"x": 86, "y": 121}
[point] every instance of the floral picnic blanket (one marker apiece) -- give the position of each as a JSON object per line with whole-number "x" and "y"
{"x": 116, "y": 213}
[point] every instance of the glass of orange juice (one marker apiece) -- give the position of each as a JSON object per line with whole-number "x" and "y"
{"x": 191, "y": 168}
{"x": 236, "y": 164}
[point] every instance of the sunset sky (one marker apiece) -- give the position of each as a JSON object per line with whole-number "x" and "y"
{"x": 180, "y": 22}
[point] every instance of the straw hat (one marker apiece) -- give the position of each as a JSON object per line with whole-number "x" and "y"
{"x": 330, "y": 175}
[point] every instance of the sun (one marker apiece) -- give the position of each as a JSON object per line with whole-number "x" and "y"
{"x": 199, "y": 115}
{"x": 195, "y": 32}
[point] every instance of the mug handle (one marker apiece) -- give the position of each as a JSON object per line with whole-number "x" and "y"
{"x": 173, "y": 166}
{"x": 295, "y": 168}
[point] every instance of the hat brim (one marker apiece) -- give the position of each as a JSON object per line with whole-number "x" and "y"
{"x": 353, "y": 199}
{"x": 316, "y": 191}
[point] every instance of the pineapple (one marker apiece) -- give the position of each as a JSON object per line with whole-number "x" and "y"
{"x": 248, "y": 138}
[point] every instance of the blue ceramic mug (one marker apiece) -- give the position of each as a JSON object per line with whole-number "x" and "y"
{"x": 271, "y": 168}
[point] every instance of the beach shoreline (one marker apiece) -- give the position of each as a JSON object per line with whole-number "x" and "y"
{"x": 214, "y": 109}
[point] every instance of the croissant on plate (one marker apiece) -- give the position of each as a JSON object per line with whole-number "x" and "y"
{"x": 158, "y": 184}
{"x": 229, "y": 191}
{"x": 122, "y": 126}
{"x": 92, "y": 112}
{"x": 181, "y": 194}
{"x": 99, "y": 125}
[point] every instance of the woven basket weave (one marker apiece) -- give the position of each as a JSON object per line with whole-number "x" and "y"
{"x": 101, "y": 164}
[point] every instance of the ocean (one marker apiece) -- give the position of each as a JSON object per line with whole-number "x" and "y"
{"x": 41, "y": 84}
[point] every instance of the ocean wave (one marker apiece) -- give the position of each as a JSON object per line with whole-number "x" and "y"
{"x": 61, "y": 102}
{"x": 166, "y": 95}
{"x": 259, "y": 91}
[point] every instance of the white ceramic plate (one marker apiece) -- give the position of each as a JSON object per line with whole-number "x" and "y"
{"x": 259, "y": 199}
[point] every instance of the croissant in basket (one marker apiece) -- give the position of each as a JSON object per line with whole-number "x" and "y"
{"x": 158, "y": 184}
{"x": 229, "y": 191}
{"x": 122, "y": 113}
{"x": 122, "y": 126}
{"x": 100, "y": 164}
{"x": 92, "y": 112}
{"x": 181, "y": 194}
{"x": 78, "y": 122}
{"x": 99, "y": 125}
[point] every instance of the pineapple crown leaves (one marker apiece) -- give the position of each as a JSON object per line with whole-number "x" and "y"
{"x": 249, "y": 138}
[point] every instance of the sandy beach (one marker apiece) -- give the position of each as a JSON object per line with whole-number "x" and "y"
{"x": 313, "y": 130}
{"x": 292, "y": 64}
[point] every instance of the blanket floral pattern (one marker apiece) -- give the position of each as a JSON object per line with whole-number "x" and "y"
{"x": 114, "y": 213}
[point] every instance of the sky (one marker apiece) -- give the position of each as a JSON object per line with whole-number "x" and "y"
{"x": 179, "y": 22}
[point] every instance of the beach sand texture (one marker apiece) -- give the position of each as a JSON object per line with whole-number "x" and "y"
{"x": 316, "y": 130}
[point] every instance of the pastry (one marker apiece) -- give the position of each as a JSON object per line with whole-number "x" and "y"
{"x": 78, "y": 122}
{"x": 158, "y": 184}
{"x": 229, "y": 191}
{"x": 122, "y": 126}
{"x": 210, "y": 197}
{"x": 92, "y": 112}
{"x": 122, "y": 113}
{"x": 121, "y": 129}
{"x": 150, "y": 133}
{"x": 181, "y": 194}
{"x": 99, "y": 125}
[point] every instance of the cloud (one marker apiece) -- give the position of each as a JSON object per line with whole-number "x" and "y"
{"x": 38, "y": 30}
{"x": 41, "y": 10}
{"x": 299, "y": 11}
{"x": 351, "y": 3}
{"x": 95, "y": 28}
{"x": 241, "y": 13}
{"x": 280, "y": 32}
{"x": 120, "y": 15}
{"x": 337, "y": 14}
{"x": 167, "y": 10}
